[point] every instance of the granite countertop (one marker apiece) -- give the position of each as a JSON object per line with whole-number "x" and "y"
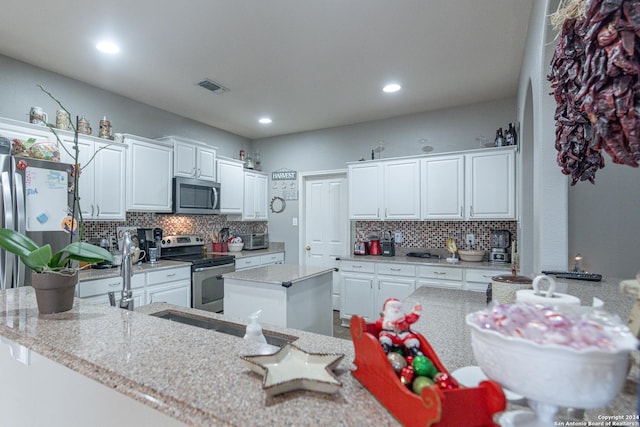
{"x": 402, "y": 259}
{"x": 105, "y": 273}
{"x": 274, "y": 247}
{"x": 278, "y": 273}
{"x": 191, "y": 374}
{"x": 153, "y": 360}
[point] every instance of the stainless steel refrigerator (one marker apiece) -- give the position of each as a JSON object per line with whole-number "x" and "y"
{"x": 35, "y": 201}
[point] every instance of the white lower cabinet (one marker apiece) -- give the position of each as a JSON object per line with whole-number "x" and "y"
{"x": 440, "y": 277}
{"x": 478, "y": 279}
{"x": 172, "y": 293}
{"x": 248, "y": 262}
{"x": 356, "y": 293}
{"x": 96, "y": 291}
{"x": 270, "y": 259}
{"x": 171, "y": 285}
{"x": 366, "y": 286}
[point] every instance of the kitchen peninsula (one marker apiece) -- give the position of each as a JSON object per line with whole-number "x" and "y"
{"x": 289, "y": 295}
{"x": 136, "y": 366}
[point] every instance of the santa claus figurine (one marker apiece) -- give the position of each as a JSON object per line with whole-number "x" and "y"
{"x": 394, "y": 327}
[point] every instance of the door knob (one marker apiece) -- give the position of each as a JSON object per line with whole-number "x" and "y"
{"x": 308, "y": 247}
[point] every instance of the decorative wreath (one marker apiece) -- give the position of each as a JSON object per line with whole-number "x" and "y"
{"x": 277, "y": 204}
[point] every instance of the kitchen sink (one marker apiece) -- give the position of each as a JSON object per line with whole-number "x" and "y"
{"x": 235, "y": 329}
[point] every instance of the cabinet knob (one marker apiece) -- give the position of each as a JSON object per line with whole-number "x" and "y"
{"x": 307, "y": 248}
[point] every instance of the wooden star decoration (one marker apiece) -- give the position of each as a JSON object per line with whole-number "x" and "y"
{"x": 291, "y": 368}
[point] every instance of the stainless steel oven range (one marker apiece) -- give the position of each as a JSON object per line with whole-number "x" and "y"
{"x": 207, "y": 284}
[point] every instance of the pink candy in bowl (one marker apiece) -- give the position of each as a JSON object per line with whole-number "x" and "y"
{"x": 575, "y": 358}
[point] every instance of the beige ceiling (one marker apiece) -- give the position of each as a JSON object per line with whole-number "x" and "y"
{"x": 307, "y": 64}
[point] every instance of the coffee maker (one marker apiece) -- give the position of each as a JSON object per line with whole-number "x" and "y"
{"x": 500, "y": 243}
{"x": 149, "y": 238}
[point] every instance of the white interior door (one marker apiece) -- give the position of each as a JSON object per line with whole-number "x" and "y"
{"x": 325, "y": 223}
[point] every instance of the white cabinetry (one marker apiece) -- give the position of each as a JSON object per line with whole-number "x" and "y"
{"x": 401, "y": 195}
{"x": 231, "y": 179}
{"x": 367, "y": 285}
{"x": 356, "y": 295}
{"x": 365, "y": 190}
{"x": 101, "y": 186}
{"x": 248, "y": 262}
{"x": 96, "y": 291}
{"x": 393, "y": 281}
{"x": 255, "y": 196}
{"x": 172, "y": 286}
{"x": 149, "y": 174}
{"x": 385, "y": 190}
{"x": 478, "y": 279}
{"x": 192, "y": 159}
{"x": 490, "y": 184}
{"x": 440, "y": 277}
{"x": 442, "y": 194}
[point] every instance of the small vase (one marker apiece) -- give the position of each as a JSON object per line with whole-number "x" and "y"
{"x": 54, "y": 292}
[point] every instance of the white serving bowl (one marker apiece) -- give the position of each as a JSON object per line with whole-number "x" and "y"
{"x": 553, "y": 374}
{"x": 475, "y": 256}
{"x": 235, "y": 247}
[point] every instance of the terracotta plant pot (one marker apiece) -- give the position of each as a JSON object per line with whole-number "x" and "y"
{"x": 54, "y": 292}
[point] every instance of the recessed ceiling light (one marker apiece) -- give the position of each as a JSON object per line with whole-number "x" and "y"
{"x": 265, "y": 120}
{"x": 108, "y": 47}
{"x": 392, "y": 87}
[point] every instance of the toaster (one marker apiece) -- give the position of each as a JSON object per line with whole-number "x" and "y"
{"x": 360, "y": 248}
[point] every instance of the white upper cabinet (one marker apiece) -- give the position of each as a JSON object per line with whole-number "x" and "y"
{"x": 385, "y": 190}
{"x": 231, "y": 178}
{"x": 101, "y": 186}
{"x": 365, "y": 190}
{"x": 255, "y": 196}
{"x": 149, "y": 174}
{"x": 192, "y": 159}
{"x": 401, "y": 195}
{"x": 442, "y": 195}
{"x": 490, "y": 184}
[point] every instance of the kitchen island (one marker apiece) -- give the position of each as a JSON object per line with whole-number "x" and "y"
{"x": 184, "y": 375}
{"x": 289, "y": 295}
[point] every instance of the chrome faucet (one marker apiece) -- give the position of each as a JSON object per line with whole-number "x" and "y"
{"x": 126, "y": 272}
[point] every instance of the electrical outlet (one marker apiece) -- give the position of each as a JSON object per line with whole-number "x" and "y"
{"x": 397, "y": 236}
{"x": 471, "y": 239}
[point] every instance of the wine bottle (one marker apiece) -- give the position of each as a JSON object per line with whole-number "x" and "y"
{"x": 499, "y": 141}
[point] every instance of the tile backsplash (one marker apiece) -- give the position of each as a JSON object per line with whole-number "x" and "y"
{"x": 174, "y": 224}
{"x": 433, "y": 234}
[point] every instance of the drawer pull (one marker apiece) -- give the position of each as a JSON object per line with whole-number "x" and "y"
{"x": 114, "y": 285}
{"x": 440, "y": 273}
{"x": 356, "y": 266}
{"x": 395, "y": 269}
{"x": 171, "y": 274}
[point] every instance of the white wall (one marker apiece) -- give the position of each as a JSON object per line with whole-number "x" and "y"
{"x": 19, "y": 91}
{"x": 329, "y": 149}
{"x": 549, "y": 199}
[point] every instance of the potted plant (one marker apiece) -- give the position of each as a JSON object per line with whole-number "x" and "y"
{"x": 55, "y": 275}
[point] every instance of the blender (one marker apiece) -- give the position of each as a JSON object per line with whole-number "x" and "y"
{"x": 500, "y": 243}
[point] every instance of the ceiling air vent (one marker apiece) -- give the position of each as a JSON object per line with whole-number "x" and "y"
{"x": 212, "y": 86}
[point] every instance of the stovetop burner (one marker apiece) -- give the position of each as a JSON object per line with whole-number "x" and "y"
{"x": 188, "y": 248}
{"x": 423, "y": 255}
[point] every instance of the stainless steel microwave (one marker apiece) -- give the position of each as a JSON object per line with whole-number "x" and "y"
{"x": 195, "y": 196}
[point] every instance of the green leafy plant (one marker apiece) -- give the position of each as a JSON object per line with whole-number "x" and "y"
{"x": 41, "y": 259}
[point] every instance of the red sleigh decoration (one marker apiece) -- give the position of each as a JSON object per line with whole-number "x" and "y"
{"x": 464, "y": 406}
